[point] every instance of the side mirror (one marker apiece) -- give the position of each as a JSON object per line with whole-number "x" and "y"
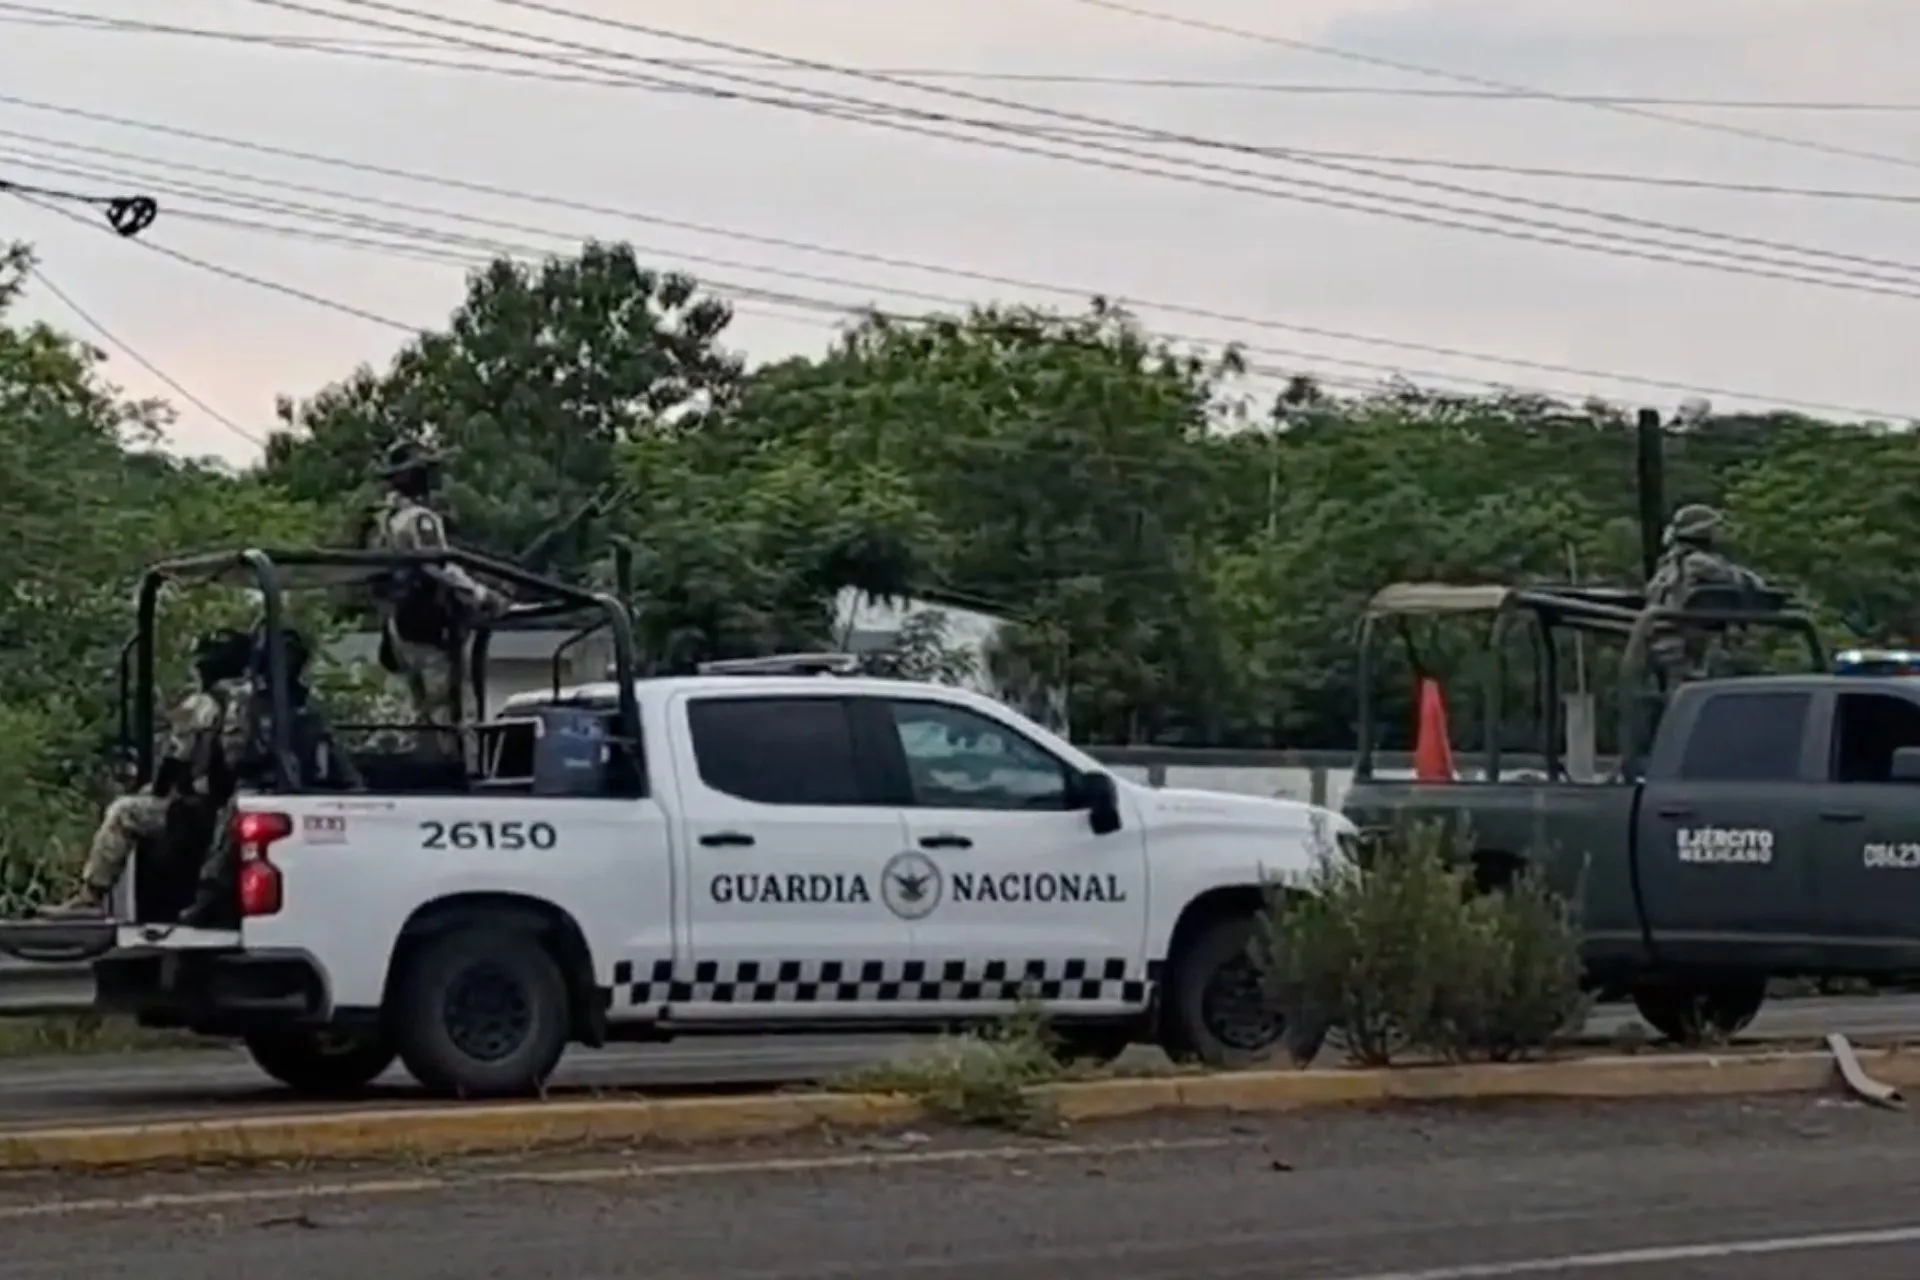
{"x": 1906, "y": 765}
{"x": 1096, "y": 793}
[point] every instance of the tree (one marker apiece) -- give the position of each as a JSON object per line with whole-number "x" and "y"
{"x": 86, "y": 501}
{"x": 1837, "y": 517}
{"x": 1177, "y": 561}
{"x": 1059, "y": 458}
{"x": 748, "y": 558}
{"x": 538, "y": 378}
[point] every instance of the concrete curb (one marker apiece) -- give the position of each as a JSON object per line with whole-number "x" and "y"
{"x": 427, "y": 1132}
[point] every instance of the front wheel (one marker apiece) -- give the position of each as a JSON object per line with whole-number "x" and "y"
{"x": 1215, "y": 1008}
{"x": 481, "y": 1013}
{"x": 1701, "y": 1012}
{"x": 321, "y": 1062}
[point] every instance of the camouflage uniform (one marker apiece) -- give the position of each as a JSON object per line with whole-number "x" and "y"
{"x": 207, "y": 721}
{"x": 249, "y": 745}
{"x": 1690, "y": 560}
{"x": 404, "y": 522}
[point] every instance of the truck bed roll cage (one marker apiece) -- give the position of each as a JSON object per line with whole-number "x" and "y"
{"x": 273, "y": 571}
{"x": 1548, "y": 608}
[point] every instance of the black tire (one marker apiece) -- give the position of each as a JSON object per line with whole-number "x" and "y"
{"x": 1214, "y": 1008}
{"x": 481, "y": 1013}
{"x": 320, "y": 1062}
{"x": 1094, "y": 1045}
{"x": 1694, "y": 1013}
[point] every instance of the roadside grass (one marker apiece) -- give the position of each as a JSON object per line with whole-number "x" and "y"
{"x": 80, "y": 1033}
{"x": 981, "y": 1078}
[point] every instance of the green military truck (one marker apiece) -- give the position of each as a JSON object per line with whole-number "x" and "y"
{"x": 1748, "y": 828}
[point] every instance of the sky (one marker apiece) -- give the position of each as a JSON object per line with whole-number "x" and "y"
{"x": 1310, "y": 288}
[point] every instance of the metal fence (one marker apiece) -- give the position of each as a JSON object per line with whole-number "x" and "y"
{"x": 28, "y": 989}
{"x": 33, "y": 990}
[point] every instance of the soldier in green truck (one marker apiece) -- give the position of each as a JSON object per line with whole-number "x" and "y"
{"x": 1748, "y": 828}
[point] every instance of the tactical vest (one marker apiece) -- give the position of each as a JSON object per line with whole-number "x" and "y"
{"x": 417, "y": 608}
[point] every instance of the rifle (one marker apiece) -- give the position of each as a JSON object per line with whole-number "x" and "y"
{"x": 606, "y": 496}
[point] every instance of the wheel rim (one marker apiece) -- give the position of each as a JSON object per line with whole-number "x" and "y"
{"x": 486, "y": 1013}
{"x": 1235, "y": 1010}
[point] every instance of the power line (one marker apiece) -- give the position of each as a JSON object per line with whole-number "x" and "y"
{"x": 330, "y": 44}
{"x": 127, "y": 215}
{"x": 125, "y": 348}
{"x": 1500, "y": 87}
{"x": 376, "y": 49}
{"x": 434, "y": 246}
{"x": 463, "y": 248}
{"x": 813, "y": 310}
{"x": 787, "y": 243}
{"x": 814, "y": 307}
{"x": 1148, "y": 133}
{"x": 1402, "y": 208}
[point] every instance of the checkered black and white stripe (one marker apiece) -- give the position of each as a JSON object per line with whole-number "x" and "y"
{"x": 877, "y": 981}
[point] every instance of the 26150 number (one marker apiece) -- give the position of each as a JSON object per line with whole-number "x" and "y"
{"x": 488, "y": 835}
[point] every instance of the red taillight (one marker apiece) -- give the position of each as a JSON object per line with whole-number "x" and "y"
{"x": 259, "y": 880}
{"x": 259, "y": 830}
{"x": 259, "y": 888}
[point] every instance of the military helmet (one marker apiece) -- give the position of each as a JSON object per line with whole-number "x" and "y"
{"x": 1696, "y": 523}
{"x": 221, "y": 654}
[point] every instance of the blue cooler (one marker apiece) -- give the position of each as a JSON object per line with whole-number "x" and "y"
{"x": 569, "y": 752}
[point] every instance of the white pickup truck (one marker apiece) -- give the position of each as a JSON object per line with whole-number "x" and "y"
{"x": 647, "y": 858}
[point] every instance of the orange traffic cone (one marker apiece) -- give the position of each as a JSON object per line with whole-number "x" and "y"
{"x": 1432, "y": 753}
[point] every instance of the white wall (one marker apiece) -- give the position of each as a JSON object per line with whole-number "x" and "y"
{"x": 967, "y": 630}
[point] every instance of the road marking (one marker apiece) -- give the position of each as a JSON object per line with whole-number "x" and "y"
{"x": 1660, "y": 1255}
{"x": 423, "y": 1183}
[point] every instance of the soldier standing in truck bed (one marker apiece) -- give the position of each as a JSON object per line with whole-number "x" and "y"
{"x": 1691, "y": 559}
{"x": 426, "y": 612}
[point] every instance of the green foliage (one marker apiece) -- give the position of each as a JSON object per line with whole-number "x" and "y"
{"x": 1173, "y": 564}
{"x": 539, "y": 378}
{"x": 1175, "y": 568}
{"x": 982, "y": 1078}
{"x": 85, "y": 503}
{"x": 1404, "y": 957}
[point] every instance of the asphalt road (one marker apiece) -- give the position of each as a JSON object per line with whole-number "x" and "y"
{"x": 1774, "y": 1190}
{"x": 106, "y": 1088}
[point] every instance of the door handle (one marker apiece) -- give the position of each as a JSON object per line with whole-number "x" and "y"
{"x": 1843, "y": 815}
{"x": 1675, "y": 811}
{"x": 727, "y": 840}
{"x": 945, "y": 842}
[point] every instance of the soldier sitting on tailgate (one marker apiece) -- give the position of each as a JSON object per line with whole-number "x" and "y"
{"x": 428, "y": 612}
{"x": 193, "y": 766}
{"x": 1691, "y": 560}
{"x": 317, "y": 762}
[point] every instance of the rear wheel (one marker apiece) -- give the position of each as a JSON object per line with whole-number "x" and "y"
{"x": 1701, "y": 1012}
{"x": 481, "y": 1013}
{"x": 1215, "y": 1008}
{"x": 319, "y": 1061}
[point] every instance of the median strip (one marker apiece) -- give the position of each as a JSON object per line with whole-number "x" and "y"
{"x": 448, "y": 1131}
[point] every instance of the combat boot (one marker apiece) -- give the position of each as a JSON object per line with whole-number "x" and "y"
{"x": 88, "y": 904}
{"x": 209, "y": 909}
